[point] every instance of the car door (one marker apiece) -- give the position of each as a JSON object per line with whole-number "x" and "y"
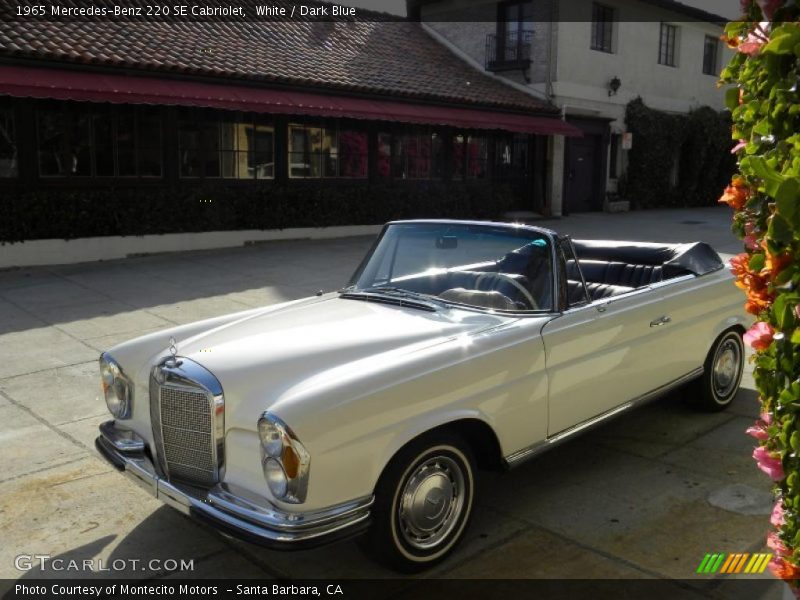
{"x": 601, "y": 354}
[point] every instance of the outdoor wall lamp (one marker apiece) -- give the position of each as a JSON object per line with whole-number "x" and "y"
{"x": 614, "y": 85}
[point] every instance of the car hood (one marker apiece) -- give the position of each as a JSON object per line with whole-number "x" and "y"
{"x": 271, "y": 355}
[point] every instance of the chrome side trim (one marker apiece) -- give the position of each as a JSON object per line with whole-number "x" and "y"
{"x": 238, "y": 512}
{"x": 516, "y": 458}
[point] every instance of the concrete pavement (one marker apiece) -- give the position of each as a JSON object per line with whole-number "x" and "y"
{"x": 646, "y": 496}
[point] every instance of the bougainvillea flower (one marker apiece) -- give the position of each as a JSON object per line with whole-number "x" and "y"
{"x": 777, "y": 518}
{"x": 751, "y": 46}
{"x": 759, "y": 336}
{"x": 783, "y": 569}
{"x": 740, "y": 264}
{"x": 775, "y": 543}
{"x": 736, "y": 194}
{"x": 758, "y": 431}
{"x": 740, "y": 146}
{"x": 769, "y": 463}
{"x": 775, "y": 263}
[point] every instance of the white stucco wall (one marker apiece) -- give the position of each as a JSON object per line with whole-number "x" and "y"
{"x": 582, "y": 74}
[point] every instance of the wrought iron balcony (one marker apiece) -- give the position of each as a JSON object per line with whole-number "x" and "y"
{"x": 509, "y": 50}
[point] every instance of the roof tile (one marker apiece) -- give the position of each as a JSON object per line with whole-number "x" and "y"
{"x": 396, "y": 58}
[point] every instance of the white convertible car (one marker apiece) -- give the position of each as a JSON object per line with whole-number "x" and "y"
{"x": 455, "y": 346}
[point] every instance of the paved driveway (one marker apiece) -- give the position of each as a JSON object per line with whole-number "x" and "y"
{"x": 637, "y": 498}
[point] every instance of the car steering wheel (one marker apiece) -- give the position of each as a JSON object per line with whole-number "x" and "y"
{"x": 504, "y": 277}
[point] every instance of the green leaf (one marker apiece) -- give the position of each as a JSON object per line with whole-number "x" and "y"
{"x": 787, "y": 198}
{"x": 732, "y": 98}
{"x": 796, "y": 336}
{"x": 757, "y": 261}
{"x": 779, "y": 230}
{"x": 783, "y": 313}
{"x": 784, "y": 39}
{"x": 763, "y": 127}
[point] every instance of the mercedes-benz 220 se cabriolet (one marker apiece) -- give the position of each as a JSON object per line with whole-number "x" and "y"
{"x": 455, "y": 346}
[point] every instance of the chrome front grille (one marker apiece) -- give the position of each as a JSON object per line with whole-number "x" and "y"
{"x": 188, "y": 425}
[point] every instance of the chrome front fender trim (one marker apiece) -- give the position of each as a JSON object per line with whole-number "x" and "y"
{"x": 516, "y": 458}
{"x": 236, "y": 511}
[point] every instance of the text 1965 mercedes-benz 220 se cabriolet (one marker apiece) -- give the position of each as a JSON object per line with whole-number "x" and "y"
{"x": 456, "y": 345}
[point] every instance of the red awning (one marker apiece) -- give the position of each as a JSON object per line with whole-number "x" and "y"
{"x": 123, "y": 89}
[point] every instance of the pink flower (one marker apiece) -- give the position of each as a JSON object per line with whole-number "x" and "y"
{"x": 766, "y": 418}
{"x": 756, "y": 38}
{"x": 751, "y": 47}
{"x": 758, "y": 431}
{"x": 759, "y": 336}
{"x": 797, "y": 310}
{"x": 777, "y": 518}
{"x": 775, "y": 543}
{"x": 769, "y": 463}
{"x": 739, "y": 146}
{"x": 751, "y": 242}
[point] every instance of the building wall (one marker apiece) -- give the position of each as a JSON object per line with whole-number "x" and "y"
{"x": 466, "y": 24}
{"x": 582, "y": 74}
{"x": 575, "y": 77}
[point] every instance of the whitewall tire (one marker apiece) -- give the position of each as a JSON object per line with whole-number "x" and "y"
{"x": 722, "y": 373}
{"x": 423, "y": 503}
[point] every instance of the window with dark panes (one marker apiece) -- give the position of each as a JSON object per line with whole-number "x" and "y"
{"x": 99, "y": 141}
{"x": 316, "y": 152}
{"x": 477, "y": 153}
{"x": 8, "y": 144}
{"x": 352, "y": 154}
{"x": 457, "y": 167}
{"x": 710, "y": 56}
{"x": 225, "y": 146}
{"x": 410, "y": 155}
{"x": 513, "y": 29}
{"x": 511, "y": 156}
{"x": 65, "y": 143}
{"x": 384, "y": 161}
{"x": 602, "y": 27}
{"x": 667, "y": 44}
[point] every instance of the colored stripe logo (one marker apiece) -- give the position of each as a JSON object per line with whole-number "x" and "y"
{"x": 742, "y": 562}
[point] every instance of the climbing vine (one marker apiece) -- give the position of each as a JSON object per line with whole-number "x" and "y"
{"x": 765, "y": 195}
{"x": 676, "y": 160}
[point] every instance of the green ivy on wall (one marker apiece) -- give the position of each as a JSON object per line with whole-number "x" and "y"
{"x": 696, "y": 144}
{"x": 219, "y": 206}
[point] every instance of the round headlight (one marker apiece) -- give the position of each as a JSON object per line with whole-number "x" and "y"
{"x": 115, "y": 406}
{"x": 117, "y": 389}
{"x": 271, "y": 438}
{"x": 276, "y": 477}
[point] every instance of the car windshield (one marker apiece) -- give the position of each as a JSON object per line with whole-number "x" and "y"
{"x": 484, "y": 266}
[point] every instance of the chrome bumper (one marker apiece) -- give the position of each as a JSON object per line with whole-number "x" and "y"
{"x": 230, "y": 509}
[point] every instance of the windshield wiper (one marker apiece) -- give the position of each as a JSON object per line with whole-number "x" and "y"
{"x": 417, "y": 299}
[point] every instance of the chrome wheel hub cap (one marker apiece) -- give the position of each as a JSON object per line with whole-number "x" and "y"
{"x": 726, "y": 368}
{"x": 431, "y": 502}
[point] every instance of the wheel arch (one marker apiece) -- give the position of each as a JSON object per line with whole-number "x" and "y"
{"x": 476, "y": 433}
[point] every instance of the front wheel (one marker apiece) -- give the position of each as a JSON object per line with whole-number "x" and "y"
{"x": 423, "y": 503}
{"x": 722, "y": 374}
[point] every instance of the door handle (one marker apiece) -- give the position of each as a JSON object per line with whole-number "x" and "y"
{"x": 660, "y": 321}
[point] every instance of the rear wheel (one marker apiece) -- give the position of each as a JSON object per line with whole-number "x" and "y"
{"x": 722, "y": 374}
{"x": 423, "y": 503}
